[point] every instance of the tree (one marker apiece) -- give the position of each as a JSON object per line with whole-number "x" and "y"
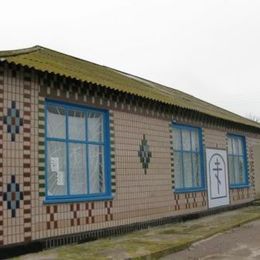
{"x": 253, "y": 117}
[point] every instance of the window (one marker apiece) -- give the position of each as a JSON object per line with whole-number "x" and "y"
{"x": 188, "y": 161}
{"x": 237, "y": 161}
{"x": 77, "y": 164}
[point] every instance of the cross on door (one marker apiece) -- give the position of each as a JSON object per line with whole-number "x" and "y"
{"x": 217, "y": 169}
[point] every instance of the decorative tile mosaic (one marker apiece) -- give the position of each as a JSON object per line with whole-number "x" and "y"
{"x": 240, "y": 194}
{"x": 51, "y": 212}
{"x": 109, "y": 214}
{"x": 1, "y": 153}
{"x": 28, "y": 134}
{"x": 75, "y": 212}
{"x": 13, "y": 196}
{"x": 144, "y": 153}
{"x": 189, "y": 200}
{"x": 250, "y": 164}
{"x": 13, "y": 120}
{"x": 112, "y": 152}
{"x": 204, "y": 199}
{"x": 41, "y": 160}
{"x": 172, "y": 157}
{"x": 176, "y": 202}
{"x": 89, "y": 207}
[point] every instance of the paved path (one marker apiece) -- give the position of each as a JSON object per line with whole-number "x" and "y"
{"x": 239, "y": 243}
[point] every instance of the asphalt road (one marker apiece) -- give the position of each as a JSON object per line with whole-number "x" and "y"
{"x": 238, "y": 243}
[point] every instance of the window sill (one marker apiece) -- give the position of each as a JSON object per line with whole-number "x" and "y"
{"x": 189, "y": 190}
{"x": 239, "y": 186}
{"x": 82, "y": 199}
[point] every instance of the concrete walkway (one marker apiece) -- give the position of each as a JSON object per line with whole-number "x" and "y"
{"x": 155, "y": 242}
{"x": 238, "y": 243}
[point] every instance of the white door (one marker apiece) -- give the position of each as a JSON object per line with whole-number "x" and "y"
{"x": 217, "y": 177}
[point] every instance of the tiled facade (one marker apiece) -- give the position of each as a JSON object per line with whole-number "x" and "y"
{"x": 142, "y": 163}
{"x": 19, "y": 154}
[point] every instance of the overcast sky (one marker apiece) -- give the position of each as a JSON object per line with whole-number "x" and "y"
{"x": 210, "y": 49}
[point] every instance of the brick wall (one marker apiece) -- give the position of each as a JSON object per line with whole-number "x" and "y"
{"x": 141, "y": 191}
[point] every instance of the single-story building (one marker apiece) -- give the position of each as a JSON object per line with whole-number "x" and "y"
{"x": 87, "y": 150}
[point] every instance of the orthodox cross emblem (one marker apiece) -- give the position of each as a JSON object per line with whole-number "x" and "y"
{"x": 217, "y": 170}
{"x": 217, "y": 177}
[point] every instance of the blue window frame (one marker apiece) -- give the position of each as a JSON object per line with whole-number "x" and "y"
{"x": 237, "y": 161}
{"x": 188, "y": 158}
{"x": 77, "y": 153}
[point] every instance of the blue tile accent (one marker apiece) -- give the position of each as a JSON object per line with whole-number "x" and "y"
{"x": 13, "y": 196}
{"x": 13, "y": 121}
{"x": 145, "y": 154}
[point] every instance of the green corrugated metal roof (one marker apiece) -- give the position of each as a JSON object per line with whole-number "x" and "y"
{"x": 51, "y": 61}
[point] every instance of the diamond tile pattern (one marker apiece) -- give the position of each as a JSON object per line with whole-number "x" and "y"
{"x": 52, "y": 212}
{"x": 145, "y": 154}
{"x": 75, "y": 214}
{"x": 109, "y": 207}
{"x": 89, "y": 210}
{"x": 13, "y": 121}
{"x": 13, "y": 196}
